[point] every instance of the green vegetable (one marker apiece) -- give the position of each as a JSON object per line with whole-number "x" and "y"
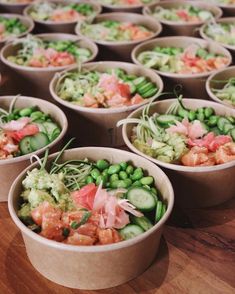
{"x": 141, "y": 198}
{"x": 130, "y": 231}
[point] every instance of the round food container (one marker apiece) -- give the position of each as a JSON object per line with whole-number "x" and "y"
{"x": 228, "y": 8}
{"x": 14, "y": 7}
{"x": 103, "y": 120}
{"x": 218, "y": 81}
{"x": 194, "y": 187}
{"x": 121, "y": 50}
{"x": 100, "y": 266}
{"x": 66, "y": 27}
{"x": 193, "y": 85}
{"x": 10, "y": 168}
{"x": 126, "y": 7}
{"x": 182, "y": 28}
{"x": 39, "y": 77}
{"x": 26, "y": 21}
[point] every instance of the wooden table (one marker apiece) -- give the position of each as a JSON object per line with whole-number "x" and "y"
{"x": 197, "y": 256}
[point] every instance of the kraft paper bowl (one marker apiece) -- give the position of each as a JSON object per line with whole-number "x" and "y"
{"x": 228, "y": 10}
{"x": 66, "y": 27}
{"x": 101, "y": 266}
{"x": 14, "y": 7}
{"x": 121, "y": 50}
{"x": 25, "y": 20}
{"x": 175, "y": 28}
{"x": 39, "y": 78}
{"x": 225, "y": 20}
{"x": 126, "y": 8}
{"x": 194, "y": 186}
{"x": 97, "y": 126}
{"x": 214, "y": 82}
{"x": 10, "y": 168}
{"x": 193, "y": 84}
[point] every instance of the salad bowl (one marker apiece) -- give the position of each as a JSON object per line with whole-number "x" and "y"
{"x": 228, "y": 6}
{"x": 135, "y": 7}
{"x": 194, "y": 186}
{"x": 14, "y": 6}
{"x": 220, "y": 86}
{"x": 11, "y": 167}
{"x": 183, "y": 26}
{"x": 119, "y": 49}
{"x": 59, "y": 25}
{"x": 38, "y": 75}
{"x": 25, "y": 21}
{"x": 193, "y": 83}
{"x": 92, "y": 267}
{"x": 102, "y": 119}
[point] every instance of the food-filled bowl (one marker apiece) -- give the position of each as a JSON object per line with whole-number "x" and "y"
{"x": 49, "y": 53}
{"x": 126, "y": 5}
{"x": 221, "y": 87}
{"x": 60, "y": 16}
{"x": 182, "y": 18}
{"x": 184, "y": 61}
{"x": 228, "y": 6}
{"x": 202, "y": 180}
{"x": 117, "y": 81}
{"x": 92, "y": 267}
{"x": 13, "y": 162}
{"x": 118, "y": 33}
{"x": 14, "y": 6}
{"x": 19, "y": 27}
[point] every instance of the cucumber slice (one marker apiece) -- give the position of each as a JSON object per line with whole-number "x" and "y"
{"x": 163, "y": 209}
{"x": 39, "y": 141}
{"x": 158, "y": 214}
{"x": 55, "y": 134}
{"x": 221, "y": 122}
{"x": 142, "y": 221}
{"x": 232, "y": 134}
{"x": 141, "y": 198}
{"x": 139, "y": 81}
{"x": 147, "y": 87}
{"x": 25, "y": 146}
{"x": 130, "y": 231}
{"x": 132, "y": 87}
{"x": 167, "y": 119}
{"x": 227, "y": 127}
{"x": 150, "y": 93}
{"x": 40, "y": 127}
{"x": 50, "y": 128}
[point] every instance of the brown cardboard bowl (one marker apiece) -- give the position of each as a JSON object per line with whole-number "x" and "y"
{"x": 101, "y": 266}
{"x": 228, "y": 10}
{"x": 194, "y": 186}
{"x": 123, "y": 49}
{"x": 24, "y": 19}
{"x": 40, "y": 77}
{"x": 66, "y": 27}
{"x": 222, "y": 75}
{"x": 13, "y": 7}
{"x": 10, "y": 168}
{"x": 194, "y": 84}
{"x": 222, "y": 20}
{"x": 126, "y": 8}
{"x": 103, "y": 120}
{"x": 174, "y": 28}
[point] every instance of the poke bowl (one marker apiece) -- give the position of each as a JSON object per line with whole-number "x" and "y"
{"x": 193, "y": 141}
{"x": 60, "y": 16}
{"x": 14, "y": 6}
{"x": 118, "y": 33}
{"x": 220, "y": 86}
{"x": 27, "y": 125}
{"x": 126, "y": 5}
{"x": 101, "y": 93}
{"x": 184, "y": 61}
{"x": 37, "y": 58}
{"x": 113, "y": 243}
{"x": 221, "y": 31}
{"x": 14, "y": 26}
{"x": 228, "y": 6}
{"x": 182, "y": 18}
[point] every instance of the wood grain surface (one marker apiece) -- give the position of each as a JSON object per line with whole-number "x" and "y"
{"x": 197, "y": 256}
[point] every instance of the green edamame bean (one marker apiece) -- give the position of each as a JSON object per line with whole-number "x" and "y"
{"x": 200, "y": 110}
{"x": 128, "y": 182}
{"x": 95, "y": 173}
{"x": 123, "y": 165}
{"x": 10, "y": 117}
{"x": 114, "y": 178}
{"x": 183, "y": 113}
{"x": 113, "y": 169}
{"x": 100, "y": 179}
{"x": 138, "y": 174}
{"x": 123, "y": 175}
{"x": 146, "y": 180}
{"x": 102, "y": 164}
{"x": 118, "y": 184}
{"x": 36, "y": 115}
{"x": 129, "y": 169}
{"x": 192, "y": 115}
{"x": 200, "y": 116}
{"x": 208, "y": 112}
{"x": 137, "y": 184}
{"x": 105, "y": 172}
{"x": 89, "y": 180}
{"x": 16, "y": 111}
{"x": 25, "y": 112}
{"x": 154, "y": 190}
{"x": 213, "y": 121}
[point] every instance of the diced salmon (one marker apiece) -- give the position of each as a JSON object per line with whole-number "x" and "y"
{"x": 108, "y": 236}
{"x": 79, "y": 239}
